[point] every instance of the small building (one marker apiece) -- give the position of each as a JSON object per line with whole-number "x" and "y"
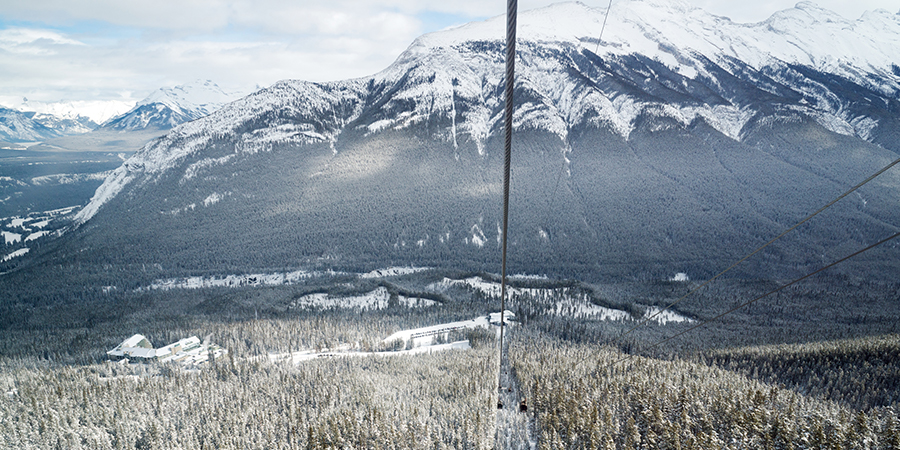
{"x": 172, "y": 351}
{"x": 135, "y": 347}
{"x": 188, "y": 351}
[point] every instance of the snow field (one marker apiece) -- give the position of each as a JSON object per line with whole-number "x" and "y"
{"x": 374, "y": 300}
{"x": 416, "y": 341}
{"x": 268, "y": 279}
{"x": 10, "y": 237}
{"x": 559, "y": 301}
{"x": 15, "y": 254}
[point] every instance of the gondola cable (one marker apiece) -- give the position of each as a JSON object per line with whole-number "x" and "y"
{"x": 828, "y": 205}
{"x": 511, "y": 10}
{"x": 603, "y": 27}
{"x": 773, "y": 291}
{"x": 565, "y": 160}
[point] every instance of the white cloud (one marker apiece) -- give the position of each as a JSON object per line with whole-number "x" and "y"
{"x": 97, "y": 49}
{"x": 33, "y": 41}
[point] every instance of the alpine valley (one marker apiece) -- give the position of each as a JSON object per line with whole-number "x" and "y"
{"x": 320, "y": 238}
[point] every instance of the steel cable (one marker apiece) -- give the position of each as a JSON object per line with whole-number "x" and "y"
{"x": 853, "y": 189}
{"x": 511, "y": 10}
{"x": 858, "y": 252}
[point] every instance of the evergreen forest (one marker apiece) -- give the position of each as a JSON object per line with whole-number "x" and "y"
{"x": 777, "y": 375}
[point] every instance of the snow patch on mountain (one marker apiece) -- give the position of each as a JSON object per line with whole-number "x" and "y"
{"x": 111, "y": 187}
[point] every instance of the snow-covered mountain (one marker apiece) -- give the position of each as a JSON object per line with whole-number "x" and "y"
{"x": 170, "y": 107}
{"x": 66, "y": 126}
{"x": 18, "y": 126}
{"x": 657, "y": 55}
{"x": 97, "y": 111}
{"x": 646, "y": 151}
{"x": 29, "y": 125}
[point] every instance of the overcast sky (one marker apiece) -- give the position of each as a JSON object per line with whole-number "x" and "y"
{"x": 53, "y": 50}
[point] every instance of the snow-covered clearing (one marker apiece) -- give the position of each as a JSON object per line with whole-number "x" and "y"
{"x": 18, "y": 222}
{"x": 269, "y": 279}
{"x": 415, "y": 341}
{"x": 33, "y": 224}
{"x": 306, "y": 355}
{"x": 572, "y": 306}
{"x": 393, "y": 272}
{"x": 36, "y": 235}
{"x": 563, "y": 301}
{"x": 426, "y": 335}
{"x": 11, "y": 238}
{"x": 489, "y": 288}
{"x": 259, "y": 279}
{"x": 680, "y": 276}
{"x": 374, "y": 300}
{"x": 666, "y": 316}
{"x": 16, "y": 254}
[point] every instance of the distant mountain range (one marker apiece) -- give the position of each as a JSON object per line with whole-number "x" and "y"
{"x": 18, "y": 126}
{"x": 162, "y": 110}
{"x": 678, "y": 143}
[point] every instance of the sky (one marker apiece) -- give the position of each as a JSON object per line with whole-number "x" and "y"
{"x": 118, "y": 52}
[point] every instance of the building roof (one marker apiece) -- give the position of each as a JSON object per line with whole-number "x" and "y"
{"x": 139, "y": 352}
{"x": 135, "y": 342}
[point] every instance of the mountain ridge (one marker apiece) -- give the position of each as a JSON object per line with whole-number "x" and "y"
{"x": 622, "y": 158}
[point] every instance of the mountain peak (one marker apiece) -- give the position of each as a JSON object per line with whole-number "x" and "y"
{"x": 202, "y": 94}
{"x": 171, "y": 106}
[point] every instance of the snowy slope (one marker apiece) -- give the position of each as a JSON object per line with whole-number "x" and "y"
{"x": 678, "y": 34}
{"x": 170, "y": 107}
{"x": 683, "y": 38}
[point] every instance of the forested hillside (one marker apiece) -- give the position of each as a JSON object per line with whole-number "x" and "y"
{"x": 590, "y": 397}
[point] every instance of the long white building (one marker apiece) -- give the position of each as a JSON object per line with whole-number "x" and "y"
{"x": 188, "y": 351}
